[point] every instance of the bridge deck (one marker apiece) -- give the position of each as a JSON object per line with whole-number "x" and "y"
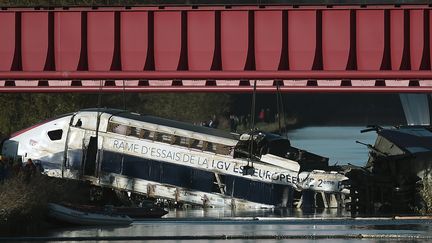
{"x": 390, "y": 45}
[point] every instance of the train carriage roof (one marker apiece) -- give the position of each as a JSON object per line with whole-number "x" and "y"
{"x": 412, "y": 139}
{"x": 164, "y": 122}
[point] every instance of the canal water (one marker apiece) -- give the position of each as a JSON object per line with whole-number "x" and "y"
{"x": 336, "y": 143}
{"x": 216, "y": 225}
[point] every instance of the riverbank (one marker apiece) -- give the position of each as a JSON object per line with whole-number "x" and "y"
{"x": 289, "y": 123}
{"x": 23, "y": 201}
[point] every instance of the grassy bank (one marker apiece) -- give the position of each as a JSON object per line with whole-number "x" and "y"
{"x": 23, "y": 201}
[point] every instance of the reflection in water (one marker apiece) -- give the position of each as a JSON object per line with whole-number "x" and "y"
{"x": 220, "y": 213}
{"x": 412, "y": 227}
{"x": 318, "y": 225}
{"x": 257, "y": 223}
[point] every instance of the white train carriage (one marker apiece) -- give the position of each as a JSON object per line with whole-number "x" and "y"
{"x": 168, "y": 159}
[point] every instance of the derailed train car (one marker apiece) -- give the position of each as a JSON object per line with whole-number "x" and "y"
{"x": 162, "y": 158}
{"x": 399, "y": 161}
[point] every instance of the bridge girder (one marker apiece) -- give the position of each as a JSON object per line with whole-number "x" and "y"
{"x": 357, "y": 48}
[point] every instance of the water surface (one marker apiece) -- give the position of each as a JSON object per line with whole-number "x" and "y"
{"x": 336, "y": 143}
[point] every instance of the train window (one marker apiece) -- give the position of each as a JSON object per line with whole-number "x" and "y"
{"x": 55, "y": 134}
{"x": 134, "y": 132}
{"x": 223, "y": 149}
{"x": 175, "y": 139}
{"x": 158, "y": 137}
{"x": 142, "y": 133}
{"x": 164, "y": 137}
{"x": 184, "y": 141}
{"x": 197, "y": 144}
{"x": 146, "y": 134}
{"x": 111, "y": 127}
{"x": 152, "y": 135}
{"x": 167, "y": 138}
{"x": 204, "y": 145}
{"x": 119, "y": 129}
{"x": 211, "y": 147}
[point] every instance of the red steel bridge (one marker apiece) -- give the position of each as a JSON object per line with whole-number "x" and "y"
{"x": 357, "y": 48}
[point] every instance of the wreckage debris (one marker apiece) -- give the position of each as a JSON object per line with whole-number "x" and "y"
{"x": 392, "y": 179}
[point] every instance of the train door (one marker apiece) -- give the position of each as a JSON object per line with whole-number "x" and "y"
{"x": 90, "y": 152}
{"x": 82, "y": 145}
{"x": 90, "y": 157}
{"x": 73, "y": 151}
{"x": 82, "y": 151}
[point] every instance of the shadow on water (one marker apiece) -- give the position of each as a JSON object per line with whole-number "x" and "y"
{"x": 411, "y": 227}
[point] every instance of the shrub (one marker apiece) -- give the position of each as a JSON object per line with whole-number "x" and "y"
{"x": 23, "y": 200}
{"x": 426, "y": 196}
